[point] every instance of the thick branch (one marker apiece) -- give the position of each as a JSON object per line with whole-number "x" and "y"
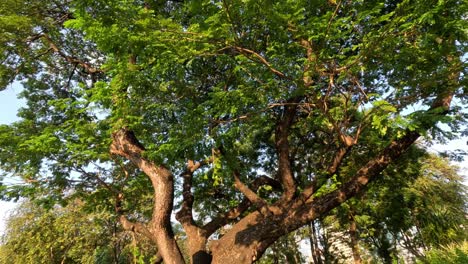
{"x": 367, "y": 173}
{"x": 249, "y": 194}
{"x": 282, "y": 147}
{"x": 237, "y": 211}
{"x": 185, "y": 213}
{"x": 223, "y": 219}
{"x": 135, "y": 227}
{"x": 332, "y": 169}
{"x": 125, "y": 144}
{"x": 196, "y": 236}
{"x": 140, "y": 229}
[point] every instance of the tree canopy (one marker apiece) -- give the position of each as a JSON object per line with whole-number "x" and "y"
{"x": 250, "y": 119}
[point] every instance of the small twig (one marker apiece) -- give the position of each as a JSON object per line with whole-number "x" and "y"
{"x": 332, "y": 17}
{"x": 86, "y": 66}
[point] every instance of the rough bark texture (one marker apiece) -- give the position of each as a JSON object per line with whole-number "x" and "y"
{"x": 314, "y": 247}
{"x": 285, "y": 173}
{"x": 126, "y": 145}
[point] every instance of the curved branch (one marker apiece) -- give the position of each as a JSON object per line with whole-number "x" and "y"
{"x": 249, "y": 194}
{"x": 196, "y": 236}
{"x": 250, "y": 54}
{"x": 85, "y": 65}
{"x": 237, "y": 211}
{"x": 125, "y": 144}
{"x": 185, "y": 215}
{"x": 332, "y": 169}
{"x": 282, "y": 147}
{"x": 135, "y": 227}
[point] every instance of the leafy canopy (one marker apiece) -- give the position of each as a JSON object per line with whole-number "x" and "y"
{"x": 305, "y": 92}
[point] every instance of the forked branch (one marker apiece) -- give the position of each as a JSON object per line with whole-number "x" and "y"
{"x": 237, "y": 211}
{"x": 125, "y": 144}
{"x": 282, "y": 147}
{"x": 366, "y": 173}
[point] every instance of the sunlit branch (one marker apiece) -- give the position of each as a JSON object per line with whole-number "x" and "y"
{"x": 249, "y": 194}
{"x": 250, "y": 54}
{"x": 236, "y": 212}
{"x": 85, "y": 65}
{"x": 135, "y": 227}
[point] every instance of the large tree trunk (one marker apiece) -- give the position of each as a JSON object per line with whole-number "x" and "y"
{"x": 248, "y": 239}
{"x": 196, "y": 243}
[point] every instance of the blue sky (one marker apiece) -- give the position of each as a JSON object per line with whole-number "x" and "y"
{"x": 9, "y": 104}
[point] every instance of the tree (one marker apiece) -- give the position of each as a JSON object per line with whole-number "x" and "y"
{"x": 285, "y": 250}
{"x": 454, "y": 253}
{"x": 247, "y": 111}
{"x": 427, "y": 212}
{"x": 419, "y": 204}
{"x": 60, "y": 235}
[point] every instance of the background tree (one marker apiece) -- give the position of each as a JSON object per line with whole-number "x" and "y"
{"x": 454, "y": 253}
{"x": 260, "y": 116}
{"x": 419, "y": 204}
{"x": 284, "y": 250}
{"x": 60, "y": 235}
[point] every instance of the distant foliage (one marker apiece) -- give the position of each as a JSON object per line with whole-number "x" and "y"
{"x": 455, "y": 253}
{"x": 66, "y": 235}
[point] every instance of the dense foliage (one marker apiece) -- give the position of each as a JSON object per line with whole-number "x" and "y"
{"x": 34, "y": 235}
{"x": 259, "y": 116}
{"x": 420, "y": 204}
{"x": 456, "y": 253}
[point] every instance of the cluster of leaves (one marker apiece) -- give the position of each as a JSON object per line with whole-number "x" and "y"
{"x": 454, "y": 253}
{"x": 70, "y": 234}
{"x": 419, "y": 204}
{"x": 35, "y": 235}
{"x": 433, "y": 197}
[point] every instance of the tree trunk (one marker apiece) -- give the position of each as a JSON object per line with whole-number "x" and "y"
{"x": 314, "y": 248}
{"x": 240, "y": 244}
{"x": 196, "y": 243}
{"x": 125, "y": 144}
{"x": 354, "y": 240}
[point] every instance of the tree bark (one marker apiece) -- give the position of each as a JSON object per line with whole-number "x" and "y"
{"x": 314, "y": 247}
{"x": 126, "y": 145}
{"x": 354, "y": 240}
